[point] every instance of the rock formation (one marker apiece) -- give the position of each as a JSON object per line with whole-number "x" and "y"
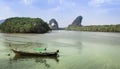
{"x": 53, "y": 24}
{"x": 77, "y": 21}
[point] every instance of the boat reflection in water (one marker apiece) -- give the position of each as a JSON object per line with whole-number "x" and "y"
{"x": 36, "y": 59}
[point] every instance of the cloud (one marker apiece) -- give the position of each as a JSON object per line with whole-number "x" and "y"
{"x": 6, "y": 11}
{"x": 64, "y": 5}
{"x": 61, "y": 1}
{"x": 55, "y": 1}
{"x": 28, "y": 2}
{"x": 51, "y": 1}
{"x": 56, "y": 9}
{"x": 98, "y": 3}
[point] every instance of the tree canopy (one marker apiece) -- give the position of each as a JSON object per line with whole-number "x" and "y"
{"x": 24, "y": 25}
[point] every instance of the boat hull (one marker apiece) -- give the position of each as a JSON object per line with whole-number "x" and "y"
{"x": 45, "y": 54}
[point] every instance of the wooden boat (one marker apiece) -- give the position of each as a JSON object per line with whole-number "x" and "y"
{"x": 41, "y": 54}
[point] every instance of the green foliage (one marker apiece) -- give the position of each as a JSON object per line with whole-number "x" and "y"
{"x": 96, "y": 28}
{"x": 24, "y": 25}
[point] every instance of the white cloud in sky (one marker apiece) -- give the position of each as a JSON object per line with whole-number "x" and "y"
{"x": 28, "y": 2}
{"x": 6, "y": 11}
{"x": 56, "y": 9}
{"x": 65, "y": 5}
{"x": 51, "y": 1}
{"x": 54, "y": 1}
{"x": 98, "y": 3}
{"x": 61, "y": 1}
{"x": 64, "y": 11}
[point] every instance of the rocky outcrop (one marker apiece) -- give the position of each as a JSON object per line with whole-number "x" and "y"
{"x": 53, "y": 24}
{"x": 77, "y": 21}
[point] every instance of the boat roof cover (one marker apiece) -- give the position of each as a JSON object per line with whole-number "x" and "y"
{"x": 39, "y": 49}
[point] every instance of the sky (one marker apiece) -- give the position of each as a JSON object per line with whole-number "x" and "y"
{"x": 94, "y": 12}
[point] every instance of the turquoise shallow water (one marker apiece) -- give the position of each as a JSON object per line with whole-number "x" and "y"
{"x": 78, "y": 50}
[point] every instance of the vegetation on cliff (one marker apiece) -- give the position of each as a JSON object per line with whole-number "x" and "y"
{"x": 96, "y": 28}
{"x": 24, "y": 25}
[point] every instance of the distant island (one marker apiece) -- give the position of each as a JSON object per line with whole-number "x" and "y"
{"x": 24, "y": 25}
{"x": 96, "y": 28}
{"x": 76, "y": 26}
{"x": 37, "y": 25}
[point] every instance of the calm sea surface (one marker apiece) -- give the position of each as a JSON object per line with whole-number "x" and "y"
{"x": 78, "y": 50}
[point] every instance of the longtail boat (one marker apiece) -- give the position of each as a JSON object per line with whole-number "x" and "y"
{"x": 41, "y": 54}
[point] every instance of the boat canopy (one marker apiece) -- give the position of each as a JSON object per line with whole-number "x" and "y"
{"x": 39, "y": 49}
